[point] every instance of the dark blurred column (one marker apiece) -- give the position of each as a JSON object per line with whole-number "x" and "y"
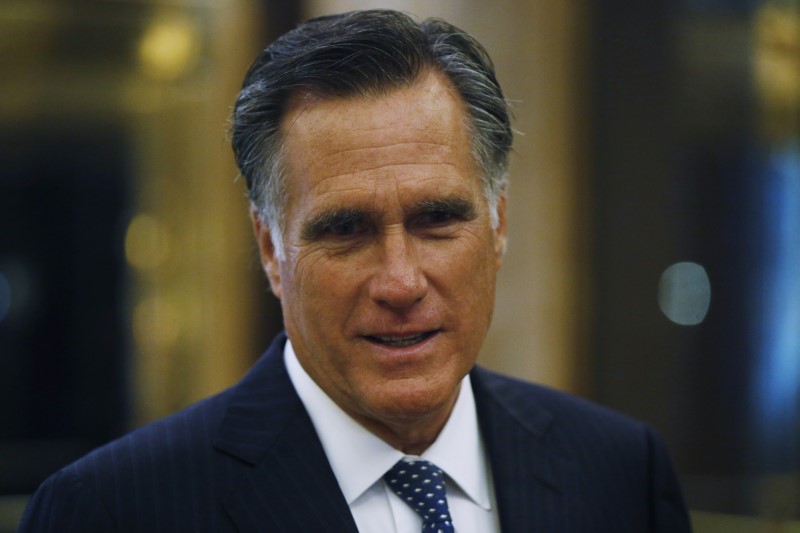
{"x": 697, "y": 265}
{"x": 127, "y": 266}
{"x": 65, "y": 192}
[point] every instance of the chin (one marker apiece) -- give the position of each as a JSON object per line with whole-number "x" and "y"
{"x": 409, "y": 403}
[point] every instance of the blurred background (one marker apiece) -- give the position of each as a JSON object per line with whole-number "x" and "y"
{"x": 654, "y": 259}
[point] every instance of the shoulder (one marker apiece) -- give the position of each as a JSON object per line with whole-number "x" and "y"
{"x": 571, "y": 427}
{"x": 529, "y": 400}
{"x": 183, "y": 445}
{"x": 160, "y": 442}
{"x": 592, "y": 453}
{"x": 167, "y": 443}
{"x": 173, "y": 474}
{"x": 95, "y": 492}
{"x": 65, "y": 503}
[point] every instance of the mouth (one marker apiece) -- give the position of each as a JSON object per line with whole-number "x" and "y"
{"x": 401, "y": 341}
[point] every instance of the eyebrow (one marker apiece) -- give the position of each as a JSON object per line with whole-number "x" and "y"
{"x": 457, "y": 206}
{"x": 322, "y": 222}
{"x": 317, "y": 226}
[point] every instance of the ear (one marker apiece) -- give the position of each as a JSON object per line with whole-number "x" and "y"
{"x": 266, "y": 248}
{"x": 500, "y": 235}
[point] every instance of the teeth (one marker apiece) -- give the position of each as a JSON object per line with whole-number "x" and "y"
{"x": 401, "y": 342}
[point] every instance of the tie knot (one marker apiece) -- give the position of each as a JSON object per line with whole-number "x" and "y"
{"x": 420, "y": 484}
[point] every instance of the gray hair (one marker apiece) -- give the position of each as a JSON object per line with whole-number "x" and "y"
{"x": 362, "y": 53}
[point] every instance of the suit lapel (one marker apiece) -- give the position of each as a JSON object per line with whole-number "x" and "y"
{"x": 286, "y": 483}
{"x": 528, "y": 476}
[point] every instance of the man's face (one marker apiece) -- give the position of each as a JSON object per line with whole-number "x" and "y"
{"x": 388, "y": 278}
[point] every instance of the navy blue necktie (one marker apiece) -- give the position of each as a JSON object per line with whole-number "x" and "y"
{"x": 420, "y": 485}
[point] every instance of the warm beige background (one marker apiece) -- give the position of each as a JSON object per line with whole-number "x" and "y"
{"x": 192, "y": 298}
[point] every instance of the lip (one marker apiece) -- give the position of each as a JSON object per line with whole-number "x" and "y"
{"x": 397, "y": 348}
{"x": 398, "y": 340}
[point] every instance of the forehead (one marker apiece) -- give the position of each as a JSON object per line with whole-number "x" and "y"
{"x": 415, "y": 133}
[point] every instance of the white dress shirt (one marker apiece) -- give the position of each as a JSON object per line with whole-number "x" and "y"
{"x": 359, "y": 459}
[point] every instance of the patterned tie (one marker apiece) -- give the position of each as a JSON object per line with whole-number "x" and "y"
{"x": 421, "y": 485}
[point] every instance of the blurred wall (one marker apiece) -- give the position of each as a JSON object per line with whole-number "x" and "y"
{"x": 696, "y": 173}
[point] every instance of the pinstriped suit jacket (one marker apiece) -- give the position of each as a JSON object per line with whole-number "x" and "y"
{"x": 249, "y": 460}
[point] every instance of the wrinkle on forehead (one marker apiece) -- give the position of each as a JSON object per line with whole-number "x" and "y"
{"x": 430, "y": 81}
{"x": 409, "y": 126}
{"x": 426, "y": 97}
{"x": 373, "y": 175}
{"x": 376, "y": 156}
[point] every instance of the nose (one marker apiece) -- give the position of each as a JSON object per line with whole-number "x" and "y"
{"x": 399, "y": 281}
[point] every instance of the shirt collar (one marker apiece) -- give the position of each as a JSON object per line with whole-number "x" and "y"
{"x": 458, "y": 450}
{"x": 359, "y": 458}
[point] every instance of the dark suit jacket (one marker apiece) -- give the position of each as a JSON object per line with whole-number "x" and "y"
{"x": 249, "y": 460}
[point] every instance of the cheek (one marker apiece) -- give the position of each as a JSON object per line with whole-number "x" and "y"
{"x": 318, "y": 287}
{"x": 303, "y": 271}
{"x": 466, "y": 278}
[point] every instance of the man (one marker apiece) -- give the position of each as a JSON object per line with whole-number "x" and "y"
{"x": 375, "y": 152}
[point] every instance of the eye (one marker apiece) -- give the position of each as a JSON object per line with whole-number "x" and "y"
{"x": 435, "y": 223}
{"x": 441, "y": 218}
{"x": 437, "y": 217}
{"x": 336, "y": 224}
{"x": 343, "y": 228}
{"x": 442, "y": 214}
